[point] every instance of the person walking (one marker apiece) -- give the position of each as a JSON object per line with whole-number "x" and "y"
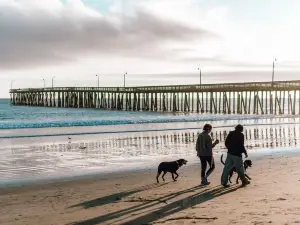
{"x": 204, "y": 148}
{"x": 235, "y": 145}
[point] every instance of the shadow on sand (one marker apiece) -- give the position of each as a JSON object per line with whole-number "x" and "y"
{"x": 148, "y": 215}
{"x": 115, "y": 197}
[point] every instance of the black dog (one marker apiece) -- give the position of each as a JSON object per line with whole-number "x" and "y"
{"x": 247, "y": 163}
{"x": 171, "y": 167}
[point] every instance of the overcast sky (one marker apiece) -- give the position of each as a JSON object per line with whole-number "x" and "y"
{"x": 154, "y": 41}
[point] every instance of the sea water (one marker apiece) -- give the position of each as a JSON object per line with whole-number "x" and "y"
{"x": 40, "y": 143}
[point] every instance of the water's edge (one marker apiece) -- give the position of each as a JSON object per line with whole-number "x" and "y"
{"x": 261, "y": 154}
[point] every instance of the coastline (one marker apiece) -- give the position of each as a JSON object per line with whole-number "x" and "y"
{"x": 255, "y": 154}
{"x": 134, "y": 197}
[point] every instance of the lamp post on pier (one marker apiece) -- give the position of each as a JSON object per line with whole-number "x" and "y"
{"x": 200, "y": 75}
{"x": 274, "y": 60}
{"x": 44, "y": 83}
{"x": 98, "y": 79}
{"x": 124, "y": 78}
{"x": 52, "y": 81}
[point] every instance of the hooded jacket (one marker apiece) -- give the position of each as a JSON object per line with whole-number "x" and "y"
{"x": 235, "y": 143}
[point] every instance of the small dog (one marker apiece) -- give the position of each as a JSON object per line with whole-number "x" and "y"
{"x": 247, "y": 163}
{"x": 170, "y": 167}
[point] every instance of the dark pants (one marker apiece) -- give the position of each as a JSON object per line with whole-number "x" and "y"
{"x": 204, "y": 160}
{"x": 230, "y": 162}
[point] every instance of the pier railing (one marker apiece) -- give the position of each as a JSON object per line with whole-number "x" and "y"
{"x": 276, "y": 97}
{"x": 249, "y": 86}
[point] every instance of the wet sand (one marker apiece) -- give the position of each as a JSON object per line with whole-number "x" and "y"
{"x": 135, "y": 198}
{"x": 41, "y": 159}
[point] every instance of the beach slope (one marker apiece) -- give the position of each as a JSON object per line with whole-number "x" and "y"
{"x": 271, "y": 198}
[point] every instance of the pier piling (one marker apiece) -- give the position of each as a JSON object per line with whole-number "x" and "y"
{"x": 228, "y": 98}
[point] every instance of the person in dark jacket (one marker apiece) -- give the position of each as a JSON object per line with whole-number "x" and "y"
{"x": 235, "y": 145}
{"x": 204, "y": 148}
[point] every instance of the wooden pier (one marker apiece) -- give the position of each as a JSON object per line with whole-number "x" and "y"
{"x": 278, "y": 97}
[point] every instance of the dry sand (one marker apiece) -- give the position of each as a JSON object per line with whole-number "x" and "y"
{"x": 273, "y": 197}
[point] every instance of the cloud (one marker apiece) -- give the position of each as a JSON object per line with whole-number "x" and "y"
{"x": 34, "y": 35}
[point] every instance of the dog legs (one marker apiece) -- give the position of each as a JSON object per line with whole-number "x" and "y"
{"x": 158, "y": 174}
{"x": 237, "y": 179}
{"x": 173, "y": 177}
{"x": 229, "y": 179}
{"x": 176, "y": 176}
{"x": 247, "y": 176}
{"x": 163, "y": 176}
{"x": 230, "y": 175}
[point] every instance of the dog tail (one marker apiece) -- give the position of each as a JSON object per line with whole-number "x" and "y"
{"x": 222, "y": 160}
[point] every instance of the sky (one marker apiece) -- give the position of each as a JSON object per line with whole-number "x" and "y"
{"x": 156, "y": 42}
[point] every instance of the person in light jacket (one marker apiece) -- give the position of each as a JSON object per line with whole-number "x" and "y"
{"x": 204, "y": 148}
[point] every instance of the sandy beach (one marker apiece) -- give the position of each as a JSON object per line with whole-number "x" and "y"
{"x": 95, "y": 94}
{"x": 271, "y": 198}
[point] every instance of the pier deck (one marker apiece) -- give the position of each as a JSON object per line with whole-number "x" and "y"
{"x": 279, "y": 97}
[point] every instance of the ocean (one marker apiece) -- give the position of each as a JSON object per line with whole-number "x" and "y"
{"x": 44, "y": 144}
